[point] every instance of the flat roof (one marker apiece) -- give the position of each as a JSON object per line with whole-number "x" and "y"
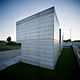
{"x": 36, "y": 15}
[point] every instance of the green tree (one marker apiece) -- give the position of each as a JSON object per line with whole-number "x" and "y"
{"x": 69, "y": 40}
{"x": 9, "y": 39}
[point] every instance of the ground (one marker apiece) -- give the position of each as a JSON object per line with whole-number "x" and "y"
{"x": 66, "y": 69}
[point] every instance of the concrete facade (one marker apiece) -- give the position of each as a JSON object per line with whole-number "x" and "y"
{"x": 76, "y": 52}
{"x": 39, "y": 38}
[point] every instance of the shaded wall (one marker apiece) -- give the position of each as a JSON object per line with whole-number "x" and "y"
{"x": 77, "y": 53}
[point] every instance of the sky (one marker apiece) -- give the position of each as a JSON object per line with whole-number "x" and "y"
{"x": 68, "y": 13}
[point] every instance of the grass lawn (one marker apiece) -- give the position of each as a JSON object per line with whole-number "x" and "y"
{"x": 66, "y": 69}
{"x": 4, "y": 47}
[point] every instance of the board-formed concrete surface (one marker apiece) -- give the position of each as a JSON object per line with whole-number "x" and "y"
{"x": 9, "y": 57}
{"x": 39, "y": 38}
{"x": 76, "y": 52}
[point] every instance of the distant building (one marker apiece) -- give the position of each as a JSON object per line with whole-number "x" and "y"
{"x": 39, "y": 38}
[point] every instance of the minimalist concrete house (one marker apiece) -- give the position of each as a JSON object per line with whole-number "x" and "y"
{"x": 39, "y": 38}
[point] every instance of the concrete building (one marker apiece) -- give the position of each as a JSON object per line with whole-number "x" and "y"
{"x": 39, "y": 38}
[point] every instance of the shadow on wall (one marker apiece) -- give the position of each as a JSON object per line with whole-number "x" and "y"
{"x": 77, "y": 53}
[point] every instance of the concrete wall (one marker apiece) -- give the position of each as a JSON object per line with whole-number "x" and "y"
{"x": 40, "y": 43}
{"x": 56, "y": 51}
{"x": 69, "y": 44}
{"x": 76, "y": 43}
{"x": 76, "y": 51}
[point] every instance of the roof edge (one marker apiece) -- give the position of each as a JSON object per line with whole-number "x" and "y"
{"x": 35, "y": 15}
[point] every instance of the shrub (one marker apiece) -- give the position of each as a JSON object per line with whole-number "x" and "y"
{"x": 11, "y": 43}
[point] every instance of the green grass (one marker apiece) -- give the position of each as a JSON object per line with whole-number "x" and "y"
{"x": 8, "y": 47}
{"x": 11, "y": 47}
{"x": 66, "y": 69}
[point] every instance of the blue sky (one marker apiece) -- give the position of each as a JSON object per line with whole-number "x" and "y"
{"x": 68, "y": 12}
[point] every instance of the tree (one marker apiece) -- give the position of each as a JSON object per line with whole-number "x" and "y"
{"x": 9, "y": 39}
{"x": 69, "y": 40}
